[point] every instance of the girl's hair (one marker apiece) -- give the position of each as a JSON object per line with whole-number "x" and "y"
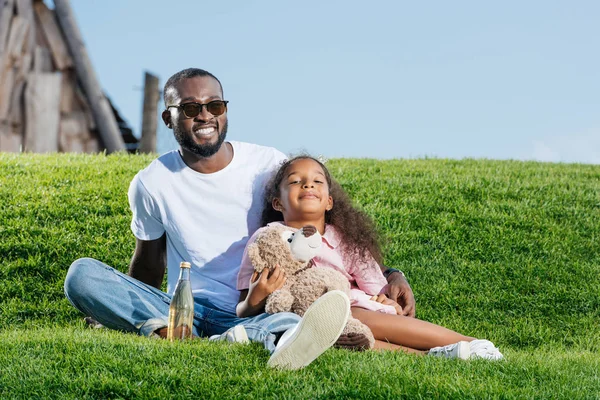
{"x": 355, "y": 227}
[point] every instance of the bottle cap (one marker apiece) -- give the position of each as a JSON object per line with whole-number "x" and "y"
{"x": 185, "y": 264}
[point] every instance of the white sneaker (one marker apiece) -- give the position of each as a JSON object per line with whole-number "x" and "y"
{"x": 481, "y": 348}
{"x": 237, "y": 334}
{"x": 460, "y": 350}
{"x": 317, "y": 331}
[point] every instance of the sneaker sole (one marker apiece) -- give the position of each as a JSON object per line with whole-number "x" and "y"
{"x": 319, "y": 329}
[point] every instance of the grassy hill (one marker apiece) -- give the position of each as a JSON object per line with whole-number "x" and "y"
{"x": 504, "y": 250}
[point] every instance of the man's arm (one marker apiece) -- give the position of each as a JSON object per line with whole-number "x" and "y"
{"x": 399, "y": 290}
{"x": 149, "y": 261}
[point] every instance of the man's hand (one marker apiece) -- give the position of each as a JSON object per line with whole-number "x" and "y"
{"x": 399, "y": 290}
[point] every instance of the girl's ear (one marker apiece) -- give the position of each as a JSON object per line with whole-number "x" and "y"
{"x": 276, "y": 204}
{"x": 329, "y": 203}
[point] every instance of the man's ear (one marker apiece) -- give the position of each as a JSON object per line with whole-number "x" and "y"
{"x": 329, "y": 203}
{"x": 277, "y": 204}
{"x": 166, "y": 117}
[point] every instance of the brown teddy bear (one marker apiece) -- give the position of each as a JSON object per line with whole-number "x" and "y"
{"x": 293, "y": 251}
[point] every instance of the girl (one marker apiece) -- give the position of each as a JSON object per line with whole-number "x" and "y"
{"x": 303, "y": 193}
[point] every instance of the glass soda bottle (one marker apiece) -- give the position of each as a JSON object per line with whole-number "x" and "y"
{"x": 181, "y": 311}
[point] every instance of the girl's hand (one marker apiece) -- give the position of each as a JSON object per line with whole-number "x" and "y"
{"x": 263, "y": 284}
{"x": 383, "y": 299}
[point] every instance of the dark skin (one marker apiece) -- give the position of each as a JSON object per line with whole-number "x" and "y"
{"x": 148, "y": 263}
{"x": 305, "y": 177}
{"x": 200, "y": 89}
{"x": 271, "y": 280}
{"x": 149, "y": 260}
{"x": 150, "y": 256}
{"x": 397, "y": 288}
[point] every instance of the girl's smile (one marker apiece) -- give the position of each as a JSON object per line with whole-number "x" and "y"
{"x": 309, "y": 195}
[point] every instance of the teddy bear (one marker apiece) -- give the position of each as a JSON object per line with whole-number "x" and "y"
{"x": 293, "y": 252}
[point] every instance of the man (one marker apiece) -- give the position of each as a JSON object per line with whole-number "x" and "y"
{"x": 201, "y": 204}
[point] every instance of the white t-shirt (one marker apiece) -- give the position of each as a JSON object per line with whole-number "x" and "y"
{"x": 208, "y": 218}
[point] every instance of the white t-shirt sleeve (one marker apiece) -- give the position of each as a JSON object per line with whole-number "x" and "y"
{"x": 146, "y": 223}
{"x": 246, "y": 268}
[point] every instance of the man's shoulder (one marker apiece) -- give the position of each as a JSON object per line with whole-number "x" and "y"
{"x": 158, "y": 169}
{"x": 168, "y": 162}
{"x": 257, "y": 152}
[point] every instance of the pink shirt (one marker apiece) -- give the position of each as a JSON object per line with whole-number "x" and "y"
{"x": 366, "y": 278}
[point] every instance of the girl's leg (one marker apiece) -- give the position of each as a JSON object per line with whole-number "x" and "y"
{"x": 406, "y": 331}
{"x": 383, "y": 345}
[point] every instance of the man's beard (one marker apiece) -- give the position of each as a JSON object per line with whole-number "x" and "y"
{"x": 206, "y": 150}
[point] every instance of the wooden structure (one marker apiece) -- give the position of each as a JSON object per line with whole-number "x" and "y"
{"x": 50, "y": 99}
{"x": 149, "y": 120}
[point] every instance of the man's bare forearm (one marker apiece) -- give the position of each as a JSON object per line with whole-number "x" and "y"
{"x": 140, "y": 271}
{"x": 149, "y": 262}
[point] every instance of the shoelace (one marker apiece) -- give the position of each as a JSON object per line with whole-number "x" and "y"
{"x": 442, "y": 350}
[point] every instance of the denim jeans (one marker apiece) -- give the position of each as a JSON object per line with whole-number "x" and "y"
{"x": 121, "y": 302}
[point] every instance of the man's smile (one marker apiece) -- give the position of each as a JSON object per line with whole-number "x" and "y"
{"x": 205, "y": 131}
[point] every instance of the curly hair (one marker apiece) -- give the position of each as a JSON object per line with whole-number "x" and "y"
{"x": 356, "y": 229}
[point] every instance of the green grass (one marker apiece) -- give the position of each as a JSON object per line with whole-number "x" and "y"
{"x": 504, "y": 250}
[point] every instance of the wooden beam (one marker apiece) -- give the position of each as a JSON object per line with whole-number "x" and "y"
{"x": 93, "y": 144}
{"x": 67, "y": 93}
{"x": 13, "y": 64}
{"x": 10, "y": 141}
{"x": 60, "y": 53}
{"x": 74, "y": 132}
{"x": 7, "y": 8}
{"x": 16, "y": 38}
{"x": 16, "y": 110}
{"x": 150, "y": 114}
{"x": 25, "y": 10}
{"x": 17, "y": 101}
{"x": 42, "y": 60}
{"x": 24, "y": 65}
{"x": 7, "y": 82}
{"x": 105, "y": 119}
{"x": 83, "y": 105}
{"x": 42, "y": 112}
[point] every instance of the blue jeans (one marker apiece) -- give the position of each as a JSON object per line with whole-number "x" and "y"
{"x": 121, "y": 302}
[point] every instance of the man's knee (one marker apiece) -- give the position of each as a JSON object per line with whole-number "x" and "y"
{"x": 81, "y": 276}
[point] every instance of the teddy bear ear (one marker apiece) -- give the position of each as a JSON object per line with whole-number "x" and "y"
{"x": 254, "y": 256}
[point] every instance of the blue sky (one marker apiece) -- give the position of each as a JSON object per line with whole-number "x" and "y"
{"x": 383, "y": 79}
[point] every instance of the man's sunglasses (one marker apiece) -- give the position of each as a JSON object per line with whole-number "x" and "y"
{"x": 192, "y": 110}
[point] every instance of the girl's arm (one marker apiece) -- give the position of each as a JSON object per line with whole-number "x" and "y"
{"x": 367, "y": 275}
{"x": 253, "y": 299}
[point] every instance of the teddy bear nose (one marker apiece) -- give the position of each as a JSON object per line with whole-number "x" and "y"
{"x": 309, "y": 230}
